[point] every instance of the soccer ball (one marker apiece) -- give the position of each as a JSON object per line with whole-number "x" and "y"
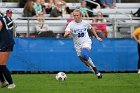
{"x": 61, "y": 76}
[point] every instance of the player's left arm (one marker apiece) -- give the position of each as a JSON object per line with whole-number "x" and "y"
{"x": 95, "y": 34}
{"x": 135, "y": 35}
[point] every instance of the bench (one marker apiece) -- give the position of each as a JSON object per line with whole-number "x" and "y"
{"x": 128, "y": 5}
{"x": 9, "y": 4}
{"x": 115, "y": 11}
{"x": 57, "y": 26}
{"x": 15, "y": 10}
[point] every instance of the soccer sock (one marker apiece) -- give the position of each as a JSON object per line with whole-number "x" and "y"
{"x": 90, "y": 62}
{"x": 84, "y": 54}
{"x": 1, "y": 75}
{"x": 93, "y": 67}
{"x": 7, "y": 74}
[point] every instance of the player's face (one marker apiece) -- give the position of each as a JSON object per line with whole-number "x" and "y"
{"x": 77, "y": 16}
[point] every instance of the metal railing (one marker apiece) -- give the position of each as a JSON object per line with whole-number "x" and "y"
{"x": 113, "y": 23}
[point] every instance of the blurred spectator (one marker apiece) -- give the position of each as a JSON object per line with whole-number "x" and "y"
{"x": 69, "y": 19}
{"x": 65, "y": 8}
{"x": 28, "y": 10}
{"x": 43, "y": 6}
{"x": 59, "y": 35}
{"x": 22, "y": 35}
{"x": 40, "y": 24}
{"x": 38, "y": 7}
{"x": 99, "y": 22}
{"x": 57, "y": 11}
{"x": 108, "y": 4}
{"x": 42, "y": 28}
{"x": 9, "y": 21}
{"x": 49, "y": 6}
{"x": 137, "y": 13}
{"x": 83, "y": 9}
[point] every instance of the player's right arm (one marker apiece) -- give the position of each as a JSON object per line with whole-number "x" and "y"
{"x": 67, "y": 34}
{"x": 68, "y": 31}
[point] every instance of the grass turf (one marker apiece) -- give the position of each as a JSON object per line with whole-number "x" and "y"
{"x": 76, "y": 83}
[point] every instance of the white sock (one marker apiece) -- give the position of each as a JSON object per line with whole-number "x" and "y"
{"x": 90, "y": 62}
{"x": 91, "y": 69}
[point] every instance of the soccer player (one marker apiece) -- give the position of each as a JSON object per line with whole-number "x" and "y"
{"x": 6, "y": 46}
{"x": 78, "y": 29}
{"x": 136, "y": 36}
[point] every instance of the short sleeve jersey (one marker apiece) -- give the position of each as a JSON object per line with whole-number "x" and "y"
{"x": 137, "y": 32}
{"x": 79, "y": 32}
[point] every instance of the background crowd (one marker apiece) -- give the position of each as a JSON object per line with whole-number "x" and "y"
{"x": 39, "y": 9}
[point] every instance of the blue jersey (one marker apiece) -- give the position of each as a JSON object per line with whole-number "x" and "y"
{"x": 6, "y": 39}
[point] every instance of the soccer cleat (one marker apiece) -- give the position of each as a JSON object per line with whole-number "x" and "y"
{"x": 11, "y": 86}
{"x": 99, "y": 75}
{"x": 4, "y": 84}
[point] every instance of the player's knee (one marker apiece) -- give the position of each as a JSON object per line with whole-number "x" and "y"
{"x": 84, "y": 54}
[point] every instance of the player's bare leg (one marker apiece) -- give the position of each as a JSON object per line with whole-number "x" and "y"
{"x": 4, "y": 71}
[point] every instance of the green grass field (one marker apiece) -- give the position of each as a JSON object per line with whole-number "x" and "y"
{"x": 76, "y": 83}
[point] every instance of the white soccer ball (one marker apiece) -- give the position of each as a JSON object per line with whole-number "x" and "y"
{"x": 61, "y": 76}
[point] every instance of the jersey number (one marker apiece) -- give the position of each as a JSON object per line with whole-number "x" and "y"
{"x": 80, "y": 34}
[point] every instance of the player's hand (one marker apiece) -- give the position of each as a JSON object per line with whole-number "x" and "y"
{"x": 99, "y": 39}
{"x": 67, "y": 34}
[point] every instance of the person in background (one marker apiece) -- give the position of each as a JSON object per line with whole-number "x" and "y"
{"x": 57, "y": 11}
{"x": 59, "y": 35}
{"x": 29, "y": 10}
{"x": 99, "y": 23}
{"x": 38, "y": 7}
{"x": 6, "y": 47}
{"x": 9, "y": 21}
{"x": 70, "y": 18}
{"x": 83, "y": 9}
{"x": 50, "y": 6}
{"x": 65, "y": 8}
{"x": 40, "y": 24}
{"x": 42, "y": 28}
{"x": 78, "y": 29}
{"x": 43, "y": 6}
{"x": 108, "y": 4}
{"x": 136, "y": 36}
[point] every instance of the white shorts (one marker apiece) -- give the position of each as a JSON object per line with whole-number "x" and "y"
{"x": 79, "y": 47}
